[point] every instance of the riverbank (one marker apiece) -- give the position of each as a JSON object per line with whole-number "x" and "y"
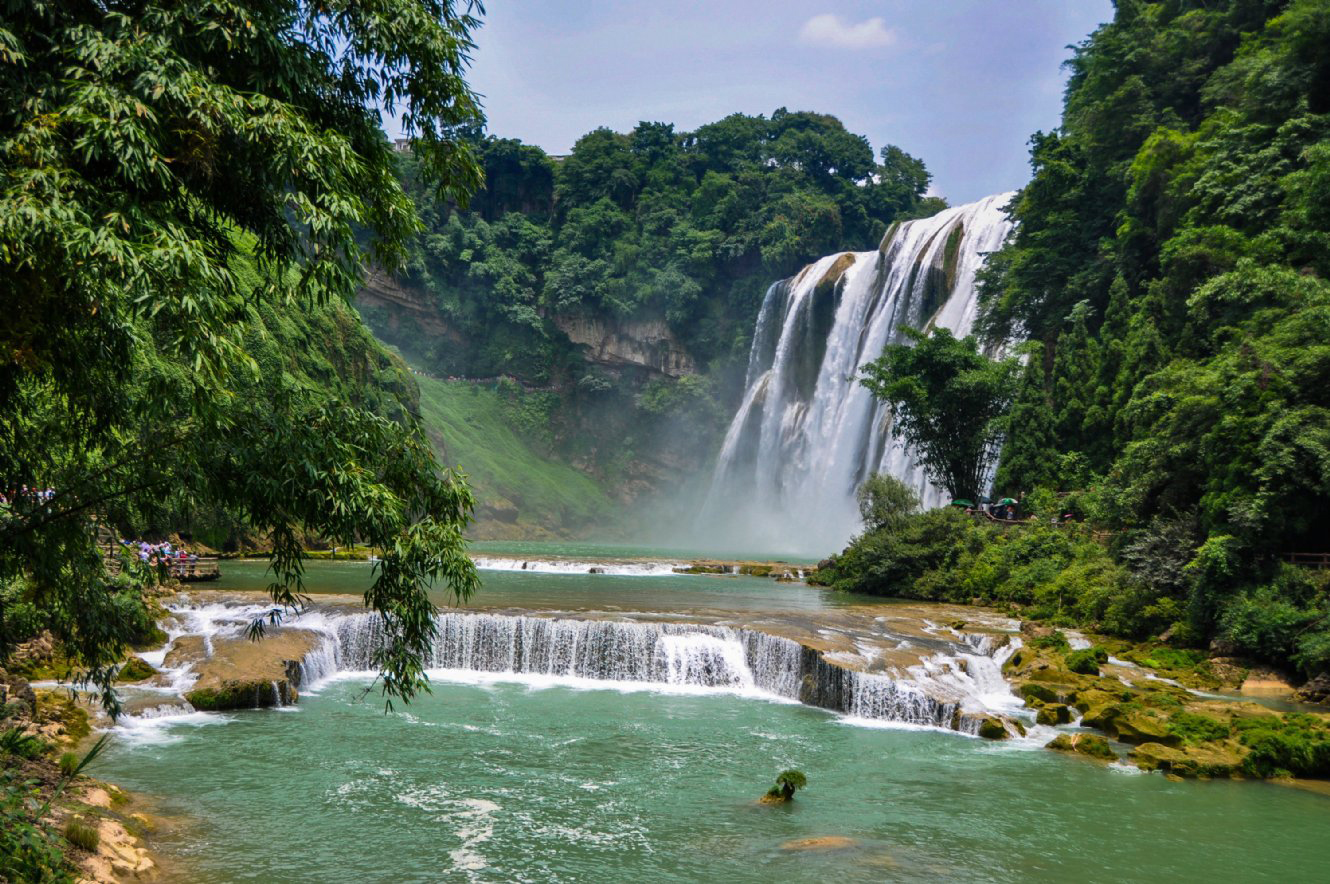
{"x": 59, "y": 823}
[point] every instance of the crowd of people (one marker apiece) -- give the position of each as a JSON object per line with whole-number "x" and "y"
{"x": 178, "y": 562}
{"x": 24, "y": 494}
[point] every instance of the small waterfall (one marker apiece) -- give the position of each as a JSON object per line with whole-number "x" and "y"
{"x": 806, "y": 433}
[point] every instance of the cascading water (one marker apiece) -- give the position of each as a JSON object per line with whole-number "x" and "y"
{"x": 807, "y": 433}
{"x": 683, "y": 655}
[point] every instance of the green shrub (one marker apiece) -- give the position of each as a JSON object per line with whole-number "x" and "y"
{"x": 1295, "y": 745}
{"x": 69, "y": 763}
{"x": 1195, "y": 728}
{"x": 15, "y": 742}
{"x": 27, "y": 852}
{"x": 1087, "y": 660}
{"x": 1054, "y": 641}
{"x": 789, "y": 782}
{"x": 81, "y": 834}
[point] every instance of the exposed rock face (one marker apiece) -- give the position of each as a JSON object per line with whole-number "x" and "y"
{"x": 382, "y": 290}
{"x": 1315, "y": 691}
{"x": 243, "y": 674}
{"x": 646, "y": 343}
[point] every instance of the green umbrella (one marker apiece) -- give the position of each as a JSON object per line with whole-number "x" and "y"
{"x": 1006, "y": 500}
{"x": 962, "y": 503}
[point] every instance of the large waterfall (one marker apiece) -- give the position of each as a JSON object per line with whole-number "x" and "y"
{"x": 807, "y": 432}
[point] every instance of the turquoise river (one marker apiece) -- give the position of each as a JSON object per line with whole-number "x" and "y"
{"x": 522, "y": 777}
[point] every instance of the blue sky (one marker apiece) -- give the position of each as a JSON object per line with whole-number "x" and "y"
{"x": 960, "y": 84}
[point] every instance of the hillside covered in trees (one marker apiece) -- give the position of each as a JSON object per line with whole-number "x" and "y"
{"x": 662, "y": 244}
{"x": 1169, "y": 271}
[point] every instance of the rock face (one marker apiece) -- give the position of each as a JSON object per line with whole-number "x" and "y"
{"x": 381, "y": 290}
{"x": 645, "y": 343}
{"x": 1315, "y": 691}
{"x": 243, "y": 674}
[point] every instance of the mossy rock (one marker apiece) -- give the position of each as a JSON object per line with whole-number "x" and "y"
{"x": 1211, "y": 760}
{"x": 1037, "y": 692}
{"x": 241, "y": 695}
{"x": 1086, "y": 700}
{"x": 1091, "y": 745}
{"x": 1054, "y": 714}
{"x": 135, "y": 669}
{"x": 1103, "y": 717}
{"x": 1139, "y": 727}
{"x": 993, "y": 729}
{"x": 150, "y": 639}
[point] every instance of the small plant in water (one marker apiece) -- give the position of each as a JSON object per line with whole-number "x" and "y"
{"x": 789, "y": 782}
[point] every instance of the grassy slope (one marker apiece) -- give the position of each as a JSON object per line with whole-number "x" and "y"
{"x": 469, "y": 429}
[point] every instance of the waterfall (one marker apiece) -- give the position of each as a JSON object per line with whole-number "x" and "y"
{"x": 807, "y": 433}
{"x": 683, "y": 655}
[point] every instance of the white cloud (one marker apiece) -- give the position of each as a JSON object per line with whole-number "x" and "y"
{"x": 832, "y": 30}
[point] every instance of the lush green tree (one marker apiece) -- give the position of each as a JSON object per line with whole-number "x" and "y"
{"x": 948, "y": 402}
{"x": 168, "y": 173}
{"x": 885, "y": 502}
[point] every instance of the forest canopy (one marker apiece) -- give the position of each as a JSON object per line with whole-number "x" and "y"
{"x": 188, "y": 193}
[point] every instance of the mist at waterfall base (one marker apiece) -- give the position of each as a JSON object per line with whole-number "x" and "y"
{"x": 807, "y": 433}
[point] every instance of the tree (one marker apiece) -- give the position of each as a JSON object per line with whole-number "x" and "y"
{"x": 168, "y": 172}
{"x": 787, "y": 783}
{"x": 885, "y": 502}
{"x": 948, "y": 401}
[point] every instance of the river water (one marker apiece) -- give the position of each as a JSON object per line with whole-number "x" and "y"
{"x": 529, "y": 777}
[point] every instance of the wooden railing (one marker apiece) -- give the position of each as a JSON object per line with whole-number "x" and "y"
{"x": 194, "y": 571}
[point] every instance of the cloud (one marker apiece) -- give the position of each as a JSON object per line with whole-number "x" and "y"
{"x": 833, "y": 31}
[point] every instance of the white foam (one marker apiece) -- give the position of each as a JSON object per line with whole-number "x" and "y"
{"x": 570, "y": 567}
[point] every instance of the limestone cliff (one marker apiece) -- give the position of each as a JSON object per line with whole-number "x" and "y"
{"x": 648, "y": 343}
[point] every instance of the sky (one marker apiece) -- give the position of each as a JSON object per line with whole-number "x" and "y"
{"x": 961, "y": 84}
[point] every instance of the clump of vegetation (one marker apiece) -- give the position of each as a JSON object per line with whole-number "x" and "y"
{"x": 1194, "y": 728}
{"x": 1295, "y": 744}
{"x": 135, "y": 669}
{"x": 1054, "y": 641}
{"x": 787, "y": 783}
{"x": 69, "y": 763}
{"x": 1087, "y": 660}
{"x": 81, "y": 834}
{"x": 13, "y": 741}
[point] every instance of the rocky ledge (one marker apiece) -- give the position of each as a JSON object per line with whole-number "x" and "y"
{"x": 238, "y": 673}
{"x": 1158, "y": 723}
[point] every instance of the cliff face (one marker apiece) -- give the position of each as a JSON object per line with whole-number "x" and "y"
{"x": 401, "y": 302}
{"x": 646, "y": 343}
{"x": 613, "y": 343}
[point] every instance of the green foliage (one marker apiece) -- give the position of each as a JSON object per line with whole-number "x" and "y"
{"x": 187, "y": 194}
{"x": 1169, "y": 267}
{"x": 1196, "y": 728}
{"x": 1087, "y": 660}
{"x": 949, "y": 400}
{"x": 15, "y": 742}
{"x": 885, "y": 502}
{"x": 1294, "y": 744}
{"x": 474, "y": 426}
{"x": 82, "y": 835}
{"x": 1054, "y": 641}
{"x": 28, "y": 852}
{"x": 787, "y": 783}
{"x": 69, "y": 762}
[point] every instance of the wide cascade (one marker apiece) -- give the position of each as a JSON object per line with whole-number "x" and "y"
{"x": 943, "y": 692}
{"x": 807, "y": 433}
